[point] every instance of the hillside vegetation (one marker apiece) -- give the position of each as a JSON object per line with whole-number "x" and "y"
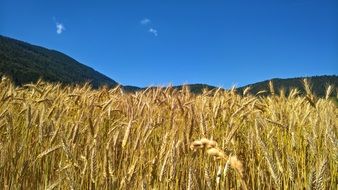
{"x": 26, "y": 63}
{"x": 319, "y": 85}
{"x": 54, "y": 137}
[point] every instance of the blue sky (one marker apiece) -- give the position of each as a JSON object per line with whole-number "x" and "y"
{"x": 157, "y": 42}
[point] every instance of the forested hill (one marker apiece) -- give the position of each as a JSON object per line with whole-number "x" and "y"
{"x": 318, "y": 84}
{"x": 27, "y": 63}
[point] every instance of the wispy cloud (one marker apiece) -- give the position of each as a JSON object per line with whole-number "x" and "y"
{"x": 60, "y": 28}
{"x": 145, "y": 21}
{"x": 153, "y": 31}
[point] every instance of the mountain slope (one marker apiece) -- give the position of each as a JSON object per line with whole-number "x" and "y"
{"x": 27, "y": 63}
{"x": 194, "y": 88}
{"x": 318, "y": 83}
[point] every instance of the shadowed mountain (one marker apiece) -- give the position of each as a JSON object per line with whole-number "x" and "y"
{"x": 194, "y": 88}
{"x": 318, "y": 84}
{"x": 26, "y": 63}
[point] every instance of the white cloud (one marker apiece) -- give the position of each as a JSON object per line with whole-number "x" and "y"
{"x": 145, "y": 21}
{"x": 148, "y": 24}
{"x": 60, "y": 28}
{"x": 153, "y": 31}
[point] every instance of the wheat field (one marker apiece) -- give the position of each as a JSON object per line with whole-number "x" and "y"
{"x": 76, "y": 137}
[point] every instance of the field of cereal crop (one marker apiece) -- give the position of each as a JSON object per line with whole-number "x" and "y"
{"x": 54, "y": 137}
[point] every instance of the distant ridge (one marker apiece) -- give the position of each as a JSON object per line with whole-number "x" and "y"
{"x": 27, "y": 63}
{"x": 194, "y": 88}
{"x": 318, "y": 84}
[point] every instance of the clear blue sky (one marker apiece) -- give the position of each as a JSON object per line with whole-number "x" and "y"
{"x": 157, "y": 42}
